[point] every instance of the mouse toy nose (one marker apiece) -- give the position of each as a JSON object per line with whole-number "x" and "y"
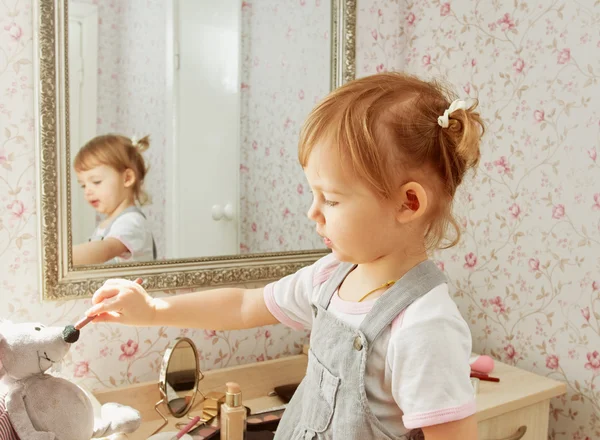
{"x": 70, "y": 334}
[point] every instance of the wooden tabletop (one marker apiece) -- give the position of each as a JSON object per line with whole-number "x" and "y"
{"x": 517, "y": 389}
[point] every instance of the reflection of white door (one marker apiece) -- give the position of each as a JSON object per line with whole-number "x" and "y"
{"x": 203, "y": 196}
{"x": 83, "y": 91}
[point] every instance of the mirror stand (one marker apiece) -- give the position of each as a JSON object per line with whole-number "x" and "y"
{"x": 165, "y": 420}
{"x": 178, "y": 425}
{"x": 179, "y": 372}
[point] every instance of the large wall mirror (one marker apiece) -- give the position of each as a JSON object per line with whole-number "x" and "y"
{"x": 207, "y": 98}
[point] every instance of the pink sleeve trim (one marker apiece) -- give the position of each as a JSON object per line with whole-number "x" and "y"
{"x": 440, "y": 416}
{"x": 127, "y": 244}
{"x": 325, "y": 272}
{"x": 271, "y": 303}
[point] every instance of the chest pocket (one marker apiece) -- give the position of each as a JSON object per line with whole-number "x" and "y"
{"x": 319, "y": 403}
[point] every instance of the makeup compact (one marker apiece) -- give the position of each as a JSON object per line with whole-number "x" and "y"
{"x": 264, "y": 421}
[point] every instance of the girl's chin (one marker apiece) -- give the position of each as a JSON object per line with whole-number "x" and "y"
{"x": 339, "y": 256}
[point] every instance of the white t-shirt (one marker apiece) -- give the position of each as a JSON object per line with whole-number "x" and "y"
{"x": 131, "y": 229}
{"x": 417, "y": 373}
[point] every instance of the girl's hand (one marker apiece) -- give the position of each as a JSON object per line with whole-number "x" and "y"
{"x": 123, "y": 302}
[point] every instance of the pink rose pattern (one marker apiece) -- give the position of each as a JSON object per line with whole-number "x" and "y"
{"x": 111, "y": 356}
{"x": 284, "y": 80}
{"x": 525, "y": 274}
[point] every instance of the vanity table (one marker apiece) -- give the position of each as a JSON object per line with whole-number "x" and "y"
{"x": 516, "y": 408}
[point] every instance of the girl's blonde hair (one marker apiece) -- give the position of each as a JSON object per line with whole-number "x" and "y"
{"x": 387, "y": 125}
{"x": 120, "y": 153}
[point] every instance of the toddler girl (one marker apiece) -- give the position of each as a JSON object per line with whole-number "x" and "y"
{"x": 389, "y": 350}
{"x": 111, "y": 170}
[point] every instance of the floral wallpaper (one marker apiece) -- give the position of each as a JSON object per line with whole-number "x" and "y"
{"x": 282, "y": 80}
{"x": 527, "y": 272}
{"x": 105, "y": 356}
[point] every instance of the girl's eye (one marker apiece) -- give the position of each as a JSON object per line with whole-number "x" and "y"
{"x": 330, "y": 203}
{"x": 98, "y": 182}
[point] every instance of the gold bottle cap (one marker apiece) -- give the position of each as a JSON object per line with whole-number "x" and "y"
{"x": 233, "y": 396}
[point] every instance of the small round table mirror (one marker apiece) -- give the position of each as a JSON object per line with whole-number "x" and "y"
{"x": 179, "y": 377}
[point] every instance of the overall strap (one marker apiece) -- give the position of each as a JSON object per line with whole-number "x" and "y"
{"x": 128, "y": 210}
{"x": 418, "y": 281}
{"x": 333, "y": 283}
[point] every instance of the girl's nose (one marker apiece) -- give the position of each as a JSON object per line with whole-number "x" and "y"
{"x": 314, "y": 214}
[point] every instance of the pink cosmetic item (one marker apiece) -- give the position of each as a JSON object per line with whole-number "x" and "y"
{"x": 482, "y": 364}
{"x": 186, "y": 429}
{"x": 84, "y": 321}
{"x": 485, "y": 377}
{"x": 169, "y": 435}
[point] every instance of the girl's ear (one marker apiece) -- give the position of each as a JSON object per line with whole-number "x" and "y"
{"x": 412, "y": 202}
{"x": 129, "y": 178}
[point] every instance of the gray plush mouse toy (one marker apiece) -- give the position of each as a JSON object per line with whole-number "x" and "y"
{"x": 41, "y": 406}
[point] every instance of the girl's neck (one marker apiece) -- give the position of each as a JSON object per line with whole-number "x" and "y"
{"x": 391, "y": 267}
{"x": 126, "y": 203}
{"x": 368, "y": 276}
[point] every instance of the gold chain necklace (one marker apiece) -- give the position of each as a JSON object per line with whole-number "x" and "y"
{"x": 386, "y": 284}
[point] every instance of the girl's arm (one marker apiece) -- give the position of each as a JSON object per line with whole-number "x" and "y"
{"x": 126, "y": 302}
{"x": 465, "y": 429}
{"x": 218, "y": 309}
{"x": 97, "y": 252}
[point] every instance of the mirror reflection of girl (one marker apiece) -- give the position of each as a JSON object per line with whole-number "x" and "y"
{"x": 389, "y": 349}
{"x": 111, "y": 170}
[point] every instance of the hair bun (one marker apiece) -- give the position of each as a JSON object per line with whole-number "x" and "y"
{"x": 465, "y": 127}
{"x": 142, "y": 145}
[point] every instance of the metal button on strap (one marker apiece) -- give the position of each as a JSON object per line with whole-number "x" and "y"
{"x": 314, "y": 311}
{"x": 358, "y": 345}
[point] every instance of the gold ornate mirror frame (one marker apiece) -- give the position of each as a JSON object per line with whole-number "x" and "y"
{"x": 59, "y": 279}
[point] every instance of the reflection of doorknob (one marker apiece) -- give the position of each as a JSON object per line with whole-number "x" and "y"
{"x": 218, "y": 212}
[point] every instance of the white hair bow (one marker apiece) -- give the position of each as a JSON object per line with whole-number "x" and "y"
{"x": 134, "y": 140}
{"x": 444, "y": 120}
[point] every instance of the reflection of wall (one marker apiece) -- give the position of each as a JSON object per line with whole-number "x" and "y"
{"x": 182, "y": 358}
{"x": 204, "y": 163}
{"x": 285, "y": 71}
{"x": 131, "y": 87}
{"x": 525, "y": 305}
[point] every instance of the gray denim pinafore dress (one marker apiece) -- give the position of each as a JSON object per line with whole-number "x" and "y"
{"x": 331, "y": 403}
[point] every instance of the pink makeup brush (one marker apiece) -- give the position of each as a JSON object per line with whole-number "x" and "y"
{"x": 71, "y": 332}
{"x": 186, "y": 429}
